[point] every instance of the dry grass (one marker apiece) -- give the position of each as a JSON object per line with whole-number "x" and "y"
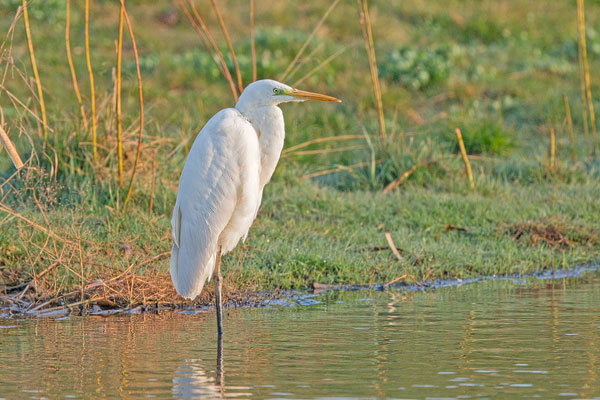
{"x": 365, "y": 24}
{"x": 118, "y": 97}
{"x": 36, "y": 75}
{"x": 570, "y": 128}
{"x": 72, "y": 68}
{"x": 141, "y": 100}
{"x": 91, "y": 77}
{"x": 551, "y": 234}
{"x": 465, "y": 158}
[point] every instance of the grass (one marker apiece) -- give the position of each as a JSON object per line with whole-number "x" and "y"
{"x": 503, "y": 82}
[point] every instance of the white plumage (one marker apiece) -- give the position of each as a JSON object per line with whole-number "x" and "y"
{"x": 221, "y": 185}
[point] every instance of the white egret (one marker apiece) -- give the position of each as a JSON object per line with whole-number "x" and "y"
{"x": 221, "y": 185}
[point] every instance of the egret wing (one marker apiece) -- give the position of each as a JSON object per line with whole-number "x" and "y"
{"x": 214, "y": 183}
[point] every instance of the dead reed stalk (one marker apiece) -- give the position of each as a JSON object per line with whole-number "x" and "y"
{"x": 252, "y": 48}
{"x": 321, "y": 65}
{"x": 365, "y": 24}
{"x": 586, "y": 71}
{"x": 72, "y": 68}
{"x": 463, "y": 153}
{"x": 153, "y": 178}
{"x": 141, "y": 98}
{"x": 552, "y": 149}
{"x": 388, "y": 238}
{"x": 118, "y": 118}
{"x": 91, "y": 75}
{"x": 229, "y": 45}
{"x": 569, "y": 127}
{"x": 580, "y": 50}
{"x": 210, "y": 44}
{"x": 36, "y": 75}
{"x": 10, "y": 148}
{"x": 308, "y": 40}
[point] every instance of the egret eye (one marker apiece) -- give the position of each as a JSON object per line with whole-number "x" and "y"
{"x": 276, "y": 91}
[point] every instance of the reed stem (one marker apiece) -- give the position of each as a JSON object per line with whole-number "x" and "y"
{"x": 91, "y": 74}
{"x": 36, "y": 75}
{"x": 552, "y": 149}
{"x": 580, "y": 50}
{"x": 72, "y": 68}
{"x": 10, "y": 148}
{"x": 118, "y": 118}
{"x": 141, "y": 99}
{"x": 252, "y": 48}
{"x": 153, "y": 178}
{"x": 229, "y": 45}
{"x": 312, "y": 34}
{"x": 365, "y": 24}
{"x": 223, "y": 65}
{"x": 463, "y": 153}
{"x": 570, "y": 128}
{"x": 588, "y": 89}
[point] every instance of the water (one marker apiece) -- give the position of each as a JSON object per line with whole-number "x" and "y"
{"x": 489, "y": 339}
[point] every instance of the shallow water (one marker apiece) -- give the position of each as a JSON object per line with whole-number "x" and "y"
{"x": 499, "y": 339}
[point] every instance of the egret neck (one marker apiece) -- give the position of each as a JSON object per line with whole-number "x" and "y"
{"x": 268, "y": 123}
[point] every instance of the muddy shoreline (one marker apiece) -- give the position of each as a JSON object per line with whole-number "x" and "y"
{"x": 11, "y": 307}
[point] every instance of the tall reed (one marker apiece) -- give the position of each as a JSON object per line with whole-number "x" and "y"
{"x": 586, "y": 73}
{"x": 365, "y": 24}
{"x": 36, "y": 75}
{"x": 10, "y": 148}
{"x": 582, "y": 86}
{"x": 72, "y": 68}
{"x": 465, "y": 158}
{"x": 141, "y": 100}
{"x": 118, "y": 118}
{"x": 308, "y": 40}
{"x": 209, "y": 43}
{"x": 569, "y": 127}
{"x": 91, "y": 75}
{"x": 252, "y": 47}
{"x": 229, "y": 45}
{"x": 552, "y": 149}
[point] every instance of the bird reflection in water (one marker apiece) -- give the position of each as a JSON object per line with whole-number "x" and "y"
{"x": 191, "y": 379}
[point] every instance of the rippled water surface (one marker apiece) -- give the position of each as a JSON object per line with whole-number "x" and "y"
{"x": 484, "y": 340}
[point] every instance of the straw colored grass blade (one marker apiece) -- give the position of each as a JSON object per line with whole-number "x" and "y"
{"x": 91, "y": 75}
{"x": 569, "y": 127}
{"x": 580, "y": 50}
{"x": 213, "y": 45}
{"x": 463, "y": 153}
{"x": 118, "y": 118}
{"x": 36, "y": 75}
{"x": 388, "y": 238}
{"x": 321, "y": 140}
{"x": 229, "y": 45}
{"x": 141, "y": 99}
{"x": 153, "y": 178}
{"x": 321, "y": 65}
{"x": 10, "y": 148}
{"x": 72, "y": 68}
{"x": 252, "y": 47}
{"x": 552, "y": 149}
{"x": 365, "y": 24}
{"x": 308, "y": 40}
{"x": 586, "y": 74}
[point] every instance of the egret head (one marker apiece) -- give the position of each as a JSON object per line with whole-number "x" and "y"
{"x": 268, "y": 92}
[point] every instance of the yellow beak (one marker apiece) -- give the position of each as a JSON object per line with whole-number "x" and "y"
{"x": 304, "y": 95}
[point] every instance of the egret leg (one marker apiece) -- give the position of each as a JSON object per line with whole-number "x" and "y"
{"x": 220, "y": 369}
{"x": 218, "y": 286}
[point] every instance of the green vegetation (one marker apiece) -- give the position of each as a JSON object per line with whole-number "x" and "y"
{"x": 496, "y": 70}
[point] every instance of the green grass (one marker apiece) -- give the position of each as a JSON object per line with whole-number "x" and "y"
{"x": 497, "y": 70}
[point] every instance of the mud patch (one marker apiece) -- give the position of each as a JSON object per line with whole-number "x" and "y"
{"x": 552, "y": 234}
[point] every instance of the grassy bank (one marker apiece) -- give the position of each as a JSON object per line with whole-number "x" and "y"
{"x": 496, "y": 70}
